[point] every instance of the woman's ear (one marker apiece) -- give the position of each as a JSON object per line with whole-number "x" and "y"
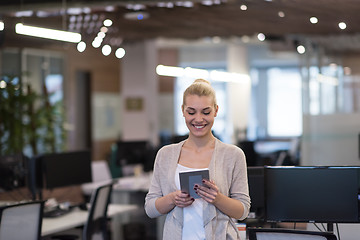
{"x": 182, "y": 109}
{"x": 216, "y": 110}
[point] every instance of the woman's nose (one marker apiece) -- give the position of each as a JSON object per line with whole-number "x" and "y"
{"x": 198, "y": 117}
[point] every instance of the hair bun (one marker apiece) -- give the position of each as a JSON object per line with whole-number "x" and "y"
{"x": 200, "y": 80}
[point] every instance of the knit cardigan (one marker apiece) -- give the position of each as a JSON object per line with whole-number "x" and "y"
{"x": 229, "y": 171}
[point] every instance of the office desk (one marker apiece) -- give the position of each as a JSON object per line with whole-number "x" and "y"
{"x": 78, "y": 218}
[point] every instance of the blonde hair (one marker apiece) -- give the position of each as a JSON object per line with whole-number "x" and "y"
{"x": 200, "y": 87}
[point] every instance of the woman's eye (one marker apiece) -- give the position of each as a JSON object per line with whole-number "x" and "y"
{"x": 206, "y": 113}
{"x": 191, "y": 113}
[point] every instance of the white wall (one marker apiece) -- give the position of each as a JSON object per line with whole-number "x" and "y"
{"x": 139, "y": 80}
{"x": 239, "y": 93}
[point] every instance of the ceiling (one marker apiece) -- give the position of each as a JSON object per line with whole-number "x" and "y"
{"x": 202, "y": 19}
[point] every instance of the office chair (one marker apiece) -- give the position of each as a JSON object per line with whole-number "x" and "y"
{"x": 96, "y": 224}
{"x": 21, "y": 221}
{"x": 288, "y": 234}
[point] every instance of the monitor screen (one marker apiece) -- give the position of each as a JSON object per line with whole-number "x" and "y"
{"x": 312, "y": 194}
{"x": 256, "y": 190}
{"x": 131, "y": 152}
{"x": 65, "y": 169}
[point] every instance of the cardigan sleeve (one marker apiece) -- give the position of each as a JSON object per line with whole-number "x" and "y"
{"x": 239, "y": 188}
{"x": 155, "y": 190}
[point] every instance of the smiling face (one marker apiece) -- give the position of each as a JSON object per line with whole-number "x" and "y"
{"x": 199, "y": 113}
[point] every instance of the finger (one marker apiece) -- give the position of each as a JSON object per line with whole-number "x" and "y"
{"x": 208, "y": 183}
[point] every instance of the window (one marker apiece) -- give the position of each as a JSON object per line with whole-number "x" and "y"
{"x": 284, "y": 102}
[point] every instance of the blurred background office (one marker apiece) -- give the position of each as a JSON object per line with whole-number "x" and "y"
{"x": 286, "y": 75}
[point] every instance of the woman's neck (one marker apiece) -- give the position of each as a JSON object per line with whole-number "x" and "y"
{"x": 199, "y": 143}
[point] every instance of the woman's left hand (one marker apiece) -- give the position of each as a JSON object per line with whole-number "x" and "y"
{"x": 208, "y": 191}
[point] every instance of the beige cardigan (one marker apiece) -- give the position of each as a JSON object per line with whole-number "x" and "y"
{"x": 229, "y": 171}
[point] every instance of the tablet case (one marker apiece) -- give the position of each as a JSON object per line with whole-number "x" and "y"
{"x": 188, "y": 180}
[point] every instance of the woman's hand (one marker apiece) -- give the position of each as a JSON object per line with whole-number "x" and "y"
{"x": 182, "y": 199}
{"x": 208, "y": 191}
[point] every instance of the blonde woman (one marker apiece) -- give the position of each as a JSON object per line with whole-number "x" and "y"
{"x": 223, "y": 198}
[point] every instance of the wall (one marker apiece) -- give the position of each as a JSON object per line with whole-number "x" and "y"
{"x": 105, "y": 87}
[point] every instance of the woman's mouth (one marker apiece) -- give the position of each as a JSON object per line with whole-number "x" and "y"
{"x": 199, "y": 126}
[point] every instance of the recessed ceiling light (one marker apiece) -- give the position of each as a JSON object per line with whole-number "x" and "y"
{"x": 81, "y": 46}
{"x": 261, "y": 37}
{"x": 281, "y": 14}
{"x": 342, "y": 25}
{"x": 314, "y": 20}
{"x": 106, "y": 50}
{"x": 107, "y": 22}
{"x": 300, "y": 49}
{"x": 243, "y": 7}
{"x": 120, "y": 53}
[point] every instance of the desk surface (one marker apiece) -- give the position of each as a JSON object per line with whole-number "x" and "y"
{"x": 130, "y": 183}
{"x": 78, "y": 218}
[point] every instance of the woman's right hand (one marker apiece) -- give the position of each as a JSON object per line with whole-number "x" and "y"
{"x": 182, "y": 199}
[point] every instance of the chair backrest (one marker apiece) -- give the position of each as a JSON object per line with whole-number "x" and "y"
{"x": 100, "y": 171}
{"x": 21, "y": 221}
{"x": 96, "y": 226}
{"x": 288, "y": 234}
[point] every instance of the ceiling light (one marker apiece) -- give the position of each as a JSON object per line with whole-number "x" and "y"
{"x": 81, "y": 46}
{"x": 74, "y": 11}
{"x": 187, "y": 4}
{"x": 106, "y": 50}
{"x": 97, "y": 42}
{"x": 120, "y": 53}
{"x": 243, "y": 7}
{"x": 196, "y": 73}
{"x": 300, "y": 49}
{"x": 47, "y": 33}
{"x": 101, "y": 35}
{"x": 314, "y": 20}
{"x": 201, "y": 73}
{"x": 104, "y": 29}
{"x": 109, "y": 8}
{"x": 207, "y": 2}
{"x": 107, "y": 22}
{"x": 261, "y": 37}
{"x": 2, "y": 25}
{"x": 24, "y": 13}
{"x": 342, "y": 25}
{"x": 281, "y": 14}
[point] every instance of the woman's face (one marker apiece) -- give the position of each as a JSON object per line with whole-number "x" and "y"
{"x": 199, "y": 113}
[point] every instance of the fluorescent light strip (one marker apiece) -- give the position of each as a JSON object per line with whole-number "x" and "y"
{"x": 201, "y": 73}
{"x": 47, "y": 33}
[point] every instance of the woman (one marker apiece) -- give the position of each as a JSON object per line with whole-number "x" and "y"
{"x": 222, "y": 198}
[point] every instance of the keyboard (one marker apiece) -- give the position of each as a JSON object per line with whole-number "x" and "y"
{"x": 57, "y": 212}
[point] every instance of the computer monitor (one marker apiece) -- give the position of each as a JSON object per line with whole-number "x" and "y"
{"x": 256, "y": 191}
{"x": 49, "y": 171}
{"x": 131, "y": 152}
{"x": 66, "y": 169}
{"x": 312, "y": 194}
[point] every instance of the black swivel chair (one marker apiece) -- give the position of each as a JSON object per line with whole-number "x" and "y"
{"x": 96, "y": 225}
{"x": 285, "y": 234}
{"x": 21, "y": 221}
